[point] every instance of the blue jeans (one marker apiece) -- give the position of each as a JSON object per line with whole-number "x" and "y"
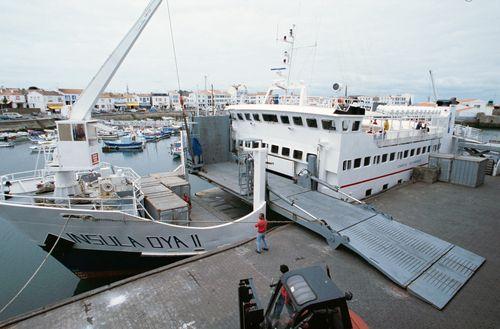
{"x": 261, "y": 240}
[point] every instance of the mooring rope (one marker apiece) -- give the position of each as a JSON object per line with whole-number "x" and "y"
{"x": 38, "y": 269}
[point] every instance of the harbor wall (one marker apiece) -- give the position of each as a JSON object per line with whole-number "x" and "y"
{"x": 25, "y": 124}
{"x": 213, "y": 133}
{"x": 481, "y": 121}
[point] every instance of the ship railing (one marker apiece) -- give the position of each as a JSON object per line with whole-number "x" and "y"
{"x": 22, "y": 176}
{"x": 389, "y": 138}
{"x": 124, "y": 204}
{"x": 468, "y": 133}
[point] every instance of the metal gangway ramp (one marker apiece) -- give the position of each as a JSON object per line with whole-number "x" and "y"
{"x": 430, "y": 268}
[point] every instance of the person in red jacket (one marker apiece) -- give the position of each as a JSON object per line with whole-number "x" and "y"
{"x": 261, "y": 233}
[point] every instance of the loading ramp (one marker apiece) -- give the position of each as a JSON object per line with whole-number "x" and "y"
{"x": 428, "y": 267}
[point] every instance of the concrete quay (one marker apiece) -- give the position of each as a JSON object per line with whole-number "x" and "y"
{"x": 201, "y": 292}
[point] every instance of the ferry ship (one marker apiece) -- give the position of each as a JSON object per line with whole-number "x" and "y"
{"x": 354, "y": 153}
{"x": 361, "y": 153}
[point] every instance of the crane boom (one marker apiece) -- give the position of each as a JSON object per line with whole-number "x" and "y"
{"x": 82, "y": 108}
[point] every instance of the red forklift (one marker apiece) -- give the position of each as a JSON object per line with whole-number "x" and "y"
{"x": 305, "y": 298}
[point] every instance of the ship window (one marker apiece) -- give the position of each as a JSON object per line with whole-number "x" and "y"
{"x": 274, "y": 149}
{"x": 376, "y": 159}
{"x": 328, "y": 124}
{"x": 347, "y": 164}
{"x": 400, "y": 181}
{"x": 412, "y": 152}
{"x": 418, "y": 150}
{"x": 357, "y": 163}
{"x": 297, "y": 154}
{"x": 240, "y": 143}
{"x": 385, "y": 186}
{"x": 384, "y": 157}
{"x": 256, "y": 116}
{"x": 368, "y": 192}
{"x": 285, "y": 119}
{"x": 428, "y": 148}
{"x": 240, "y": 117}
{"x": 64, "y": 132}
{"x": 392, "y": 156}
{"x": 79, "y": 132}
{"x": 345, "y": 125}
{"x": 367, "y": 161}
{"x": 400, "y": 155}
{"x": 270, "y": 117}
{"x": 248, "y": 117}
{"x": 297, "y": 121}
{"x": 312, "y": 123}
{"x": 233, "y": 116}
{"x": 285, "y": 151}
{"x": 423, "y": 150}
{"x": 355, "y": 126}
{"x": 406, "y": 154}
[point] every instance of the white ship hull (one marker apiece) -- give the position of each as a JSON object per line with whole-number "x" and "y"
{"x": 99, "y": 234}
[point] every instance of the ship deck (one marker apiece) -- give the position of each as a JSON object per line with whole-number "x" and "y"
{"x": 201, "y": 292}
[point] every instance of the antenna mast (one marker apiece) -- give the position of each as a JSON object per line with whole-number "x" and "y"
{"x": 434, "y": 92}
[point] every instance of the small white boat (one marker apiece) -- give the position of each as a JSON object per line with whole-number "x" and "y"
{"x": 6, "y": 144}
{"x": 176, "y": 149}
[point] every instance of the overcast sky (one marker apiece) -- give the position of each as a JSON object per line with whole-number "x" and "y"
{"x": 374, "y": 47}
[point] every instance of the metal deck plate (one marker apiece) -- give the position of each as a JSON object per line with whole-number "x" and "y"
{"x": 399, "y": 251}
{"x": 439, "y": 283}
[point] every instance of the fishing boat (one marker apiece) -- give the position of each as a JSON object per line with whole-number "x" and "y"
{"x": 129, "y": 142}
{"x": 99, "y": 219}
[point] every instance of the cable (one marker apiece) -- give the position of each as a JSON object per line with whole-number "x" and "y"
{"x": 38, "y": 269}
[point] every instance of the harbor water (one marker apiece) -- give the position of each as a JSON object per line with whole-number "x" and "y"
{"x": 19, "y": 257}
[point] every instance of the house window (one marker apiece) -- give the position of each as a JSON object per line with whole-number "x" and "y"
{"x": 312, "y": 123}
{"x": 412, "y": 152}
{"x": 256, "y": 116}
{"x": 240, "y": 117}
{"x": 297, "y": 154}
{"x": 385, "y": 186}
{"x": 368, "y": 192}
{"x": 392, "y": 156}
{"x": 418, "y": 150}
{"x": 384, "y": 157}
{"x": 405, "y": 154}
{"x": 248, "y": 117}
{"x": 328, "y": 124}
{"x": 285, "y": 119}
{"x": 285, "y": 151}
{"x": 355, "y": 125}
{"x": 357, "y": 163}
{"x": 274, "y": 149}
{"x": 270, "y": 117}
{"x": 367, "y": 161}
{"x": 347, "y": 164}
{"x": 345, "y": 125}
{"x": 297, "y": 121}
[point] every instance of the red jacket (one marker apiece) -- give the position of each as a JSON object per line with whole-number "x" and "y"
{"x": 261, "y": 226}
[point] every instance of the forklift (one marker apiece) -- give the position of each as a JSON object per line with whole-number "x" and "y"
{"x": 305, "y": 298}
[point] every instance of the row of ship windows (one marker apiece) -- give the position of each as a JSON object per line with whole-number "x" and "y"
{"x": 356, "y": 163}
{"x": 384, "y": 187}
{"x": 297, "y": 120}
{"x": 285, "y": 151}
